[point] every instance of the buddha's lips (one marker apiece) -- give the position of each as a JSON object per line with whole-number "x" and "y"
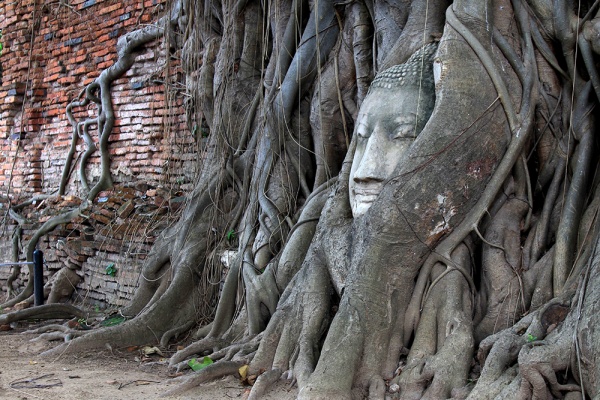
{"x": 367, "y": 194}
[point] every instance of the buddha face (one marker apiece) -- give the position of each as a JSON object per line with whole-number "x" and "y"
{"x": 387, "y": 124}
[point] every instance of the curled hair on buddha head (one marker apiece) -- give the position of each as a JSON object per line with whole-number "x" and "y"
{"x": 416, "y": 71}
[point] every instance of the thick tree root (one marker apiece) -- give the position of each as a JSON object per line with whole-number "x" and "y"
{"x": 440, "y": 357}
{"x": 198, "y": 347}
{"x": 291, "y": 338}
{"x": 46, "y": 311}
{"x": 131, "y": 332}
{"x": 263, "y": 382}
{"x": 48, "y": 226}
{"x": 62, "y": 285}
{"x": 538, "y": 345}
{"x": 212, "y": 372}
{"x": 236, "y": 351}
{"x": 56, "y": 332}
{"x": 503, "y": 296}
{"x": 63, "y": 336}
{"x": 171, "y": 333}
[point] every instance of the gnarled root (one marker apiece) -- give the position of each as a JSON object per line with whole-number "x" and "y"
{"x": 263, "y": 382}
{"x": 440, "y": 357}
{"x": 212, "y": 372}
{"x": 291, "y": 339}
{"x": 46, "y": 311}
{"x": 216, "y": 349}
{"x": 540, "y": 356}
{"x": 62, "y": 284}
{"x": 503, "y": 296}
{"x": 228, "y": 360}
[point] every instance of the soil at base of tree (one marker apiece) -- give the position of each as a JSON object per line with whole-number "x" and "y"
{"x": 100, "y": 375}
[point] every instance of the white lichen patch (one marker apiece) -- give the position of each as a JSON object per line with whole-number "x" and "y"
{"x": 446, "y": 211}
{"x": 438, "y": 71}
{"x": 440, "y": 227}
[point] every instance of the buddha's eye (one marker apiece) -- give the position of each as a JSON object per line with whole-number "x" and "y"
{"x": 404, "y": 131}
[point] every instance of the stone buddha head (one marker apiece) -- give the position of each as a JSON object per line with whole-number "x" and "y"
{"x": 399, "y": 103}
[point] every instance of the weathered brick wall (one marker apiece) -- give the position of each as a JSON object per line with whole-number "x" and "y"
{"x": 52, "y": 49}
{"x": 118, "y": 229}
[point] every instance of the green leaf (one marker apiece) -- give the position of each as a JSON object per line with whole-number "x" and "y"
{"x": 111, "y": 269}
{"x": 531, "y": 338}
{"x": 195, "y": 365}
{"x": 230, "y": 236}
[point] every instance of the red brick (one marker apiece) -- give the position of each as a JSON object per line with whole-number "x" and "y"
{"x": 58, "y": 75}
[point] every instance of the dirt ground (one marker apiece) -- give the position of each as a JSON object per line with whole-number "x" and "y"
{"x": 116, "y": 374}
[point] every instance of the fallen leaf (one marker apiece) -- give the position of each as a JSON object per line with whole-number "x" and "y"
{"x": 243, "y": 370}
{"x": 147, "y": 350}
{"x": 196, "y": 365}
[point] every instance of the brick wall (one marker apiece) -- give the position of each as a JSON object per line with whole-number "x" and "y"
{"x": 52, "y": 49}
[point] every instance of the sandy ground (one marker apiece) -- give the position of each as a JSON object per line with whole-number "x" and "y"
{"x": 116, "y": 374}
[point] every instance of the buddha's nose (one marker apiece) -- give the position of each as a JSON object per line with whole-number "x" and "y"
{"x": 371, "y": 166}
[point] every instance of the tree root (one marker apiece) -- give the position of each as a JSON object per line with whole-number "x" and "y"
{"x": 56, "y": 332}
{"x": 440, "y": 357}
{"x": 31, "y": 246}
{"x": 46, "y": 311}
{"x": 237, "y": 350}
{"x": 63, "y": 336}
{"x": 62, "y": 284}
{"x": 221, "y": 348}
{"x": 292, "y": 336}
{"x": 540, "y": 355}
{"x": 210, "y": 373}
{"x": 263, "y": 382}
{"x": 16, "y": 247}
{"x": 504, "y": 297}
{"x": 198, "y": 347}
{"x": 166, "y": 337}
{"x": 138, "y": 331}
{"x": 566, "y": 236}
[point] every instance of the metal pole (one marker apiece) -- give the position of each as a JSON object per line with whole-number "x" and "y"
{"x": 38, "y": 278}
